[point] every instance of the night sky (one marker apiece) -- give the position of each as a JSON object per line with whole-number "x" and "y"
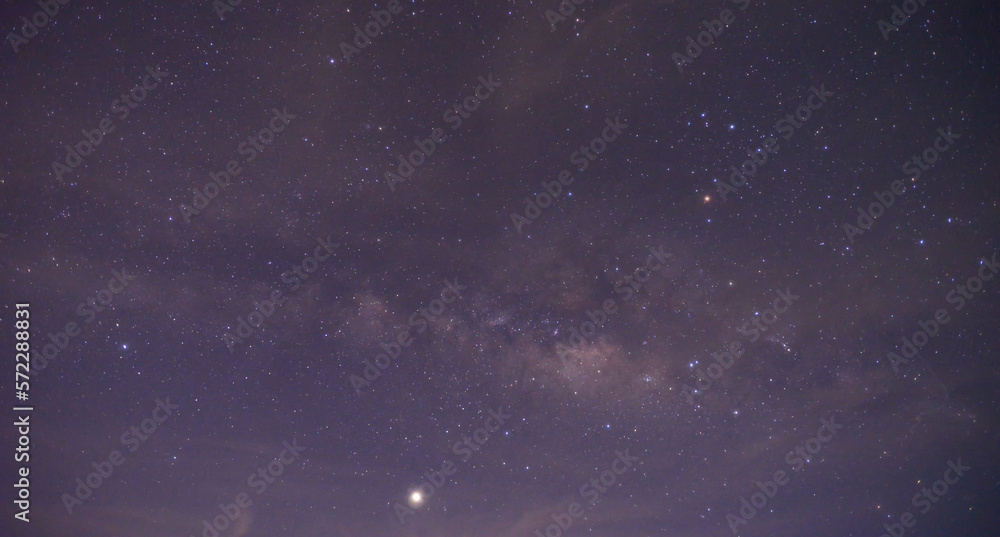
{"x": 605, "y": 268}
